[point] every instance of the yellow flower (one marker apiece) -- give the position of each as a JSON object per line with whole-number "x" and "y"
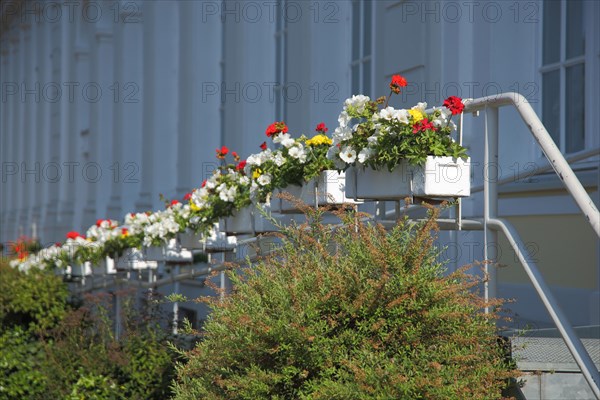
{"x": 256, "y": 173}
{"x": 417, "y": 115}
{"x": 194, "y": 207}
{"x": 318, "y": 139}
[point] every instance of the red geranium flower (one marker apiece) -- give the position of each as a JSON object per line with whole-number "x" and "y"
{"x": 235, "y": 155}
{"x": 397, "y": 82}
{"x": 74, "y": 235}
{"x": 124, "y": 231}
{"x": 173, "y": 202}
{"x": 454, "y": 104}
{"x": 241, "y": 165}
{"x": 99, "y": 222}
{"x": 203, "y": 183}
{"x": 222, "y": 152}
{"x": 263, "y": 146}
{"x": 275, "y": 128}
{"x": 187, "y": 196}
{"x": 321, "y": 128}
{"x": 423, "y": 125}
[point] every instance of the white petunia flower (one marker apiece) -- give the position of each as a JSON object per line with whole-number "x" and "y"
{"x": 348, "y": 154}
{"x": 364, "y": 155}
{"x": 279, "y": 159}
{"x": 264, "y": 179}
{"x": 298, "y": 152}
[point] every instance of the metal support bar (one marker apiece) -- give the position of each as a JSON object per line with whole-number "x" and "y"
{"x": 552, "y": 153}
{"x": 490, "y": 202}
{"x": 578, "y": 351}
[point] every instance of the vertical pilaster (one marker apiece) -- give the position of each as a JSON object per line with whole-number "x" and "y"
{"x": 4, "y": 136}
{"x": 200, "y": 73}
{"x": 127, "y": 126}
{"x": 160, "y": 102}
{"x": 96, "y": 172}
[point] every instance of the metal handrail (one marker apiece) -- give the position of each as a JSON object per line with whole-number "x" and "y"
{"x": 549, "y": 148}
{"x": 492, "y": 223}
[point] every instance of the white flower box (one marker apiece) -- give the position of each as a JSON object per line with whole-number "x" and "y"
{"x": 329, "y": 188}
{"x": 190, "y": 240}
{"x": 154, "y": 253}
{"x": 84, "y": 269}
{"x": 174, "y": 252}
{"x": 248, "y": 220}
{"x": 106, "y": 266}
{"x": 133, "y": 259}
{"x": 219, "y": 242}
{"x": 438, "y": 177}
{"x": 443, "y": 177}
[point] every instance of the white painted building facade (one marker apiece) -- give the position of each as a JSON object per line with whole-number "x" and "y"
{"x": 107, "y": 104}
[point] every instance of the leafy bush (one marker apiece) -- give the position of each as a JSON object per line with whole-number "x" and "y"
{"x": 84, "y": 358}
{"x": 49, "y": 350}
{"x": 358, "y": 313}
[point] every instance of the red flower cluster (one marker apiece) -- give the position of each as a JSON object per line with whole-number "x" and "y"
{"x": 235, "y": 156}
{"x": 203, "y": 183}
{"x": 174, "y": 202}
{"x": 263, "y": 146}
{"x": 222, "y": 152}
{"x": 241, "y": 165}
{"x": 321, "y": 128}
{"x": 124, "y": 231}
{"x": 454, "y": 104}
{"x": 187, "y": 196}
{"x": 423, "y": 125}
{"x": 397, "y": 82}
{"x": 275, "y": 128}
{"x": 74, "y": 235}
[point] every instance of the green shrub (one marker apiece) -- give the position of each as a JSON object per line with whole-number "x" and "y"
{"x": 84, "y": 357}
{"x": 373, "y": 319}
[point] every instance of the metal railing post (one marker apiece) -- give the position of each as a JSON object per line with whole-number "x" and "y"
{"x": 490, "y": 201}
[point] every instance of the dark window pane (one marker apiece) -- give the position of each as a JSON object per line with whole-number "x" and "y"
{"x": 355, "y": 30}
{"x": 367, "y": 26}
{"x": 575, "y": 29}
{"x": 551, "y": 104}
{"x": 551, "y": 44}
{"x": 367, "y": 78}
{"x": 575, "y": 108}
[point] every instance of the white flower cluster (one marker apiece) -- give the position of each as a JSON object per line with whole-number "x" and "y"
{"x": 161, "y": 226}
{"x": 227, "y": 189}
{"x": 45, "y": 258}
{"x": 103, "y": 231}
{"x": 343, "y": 154}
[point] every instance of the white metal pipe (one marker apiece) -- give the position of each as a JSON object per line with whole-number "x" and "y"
{"x": 490, "y": 202}
{"x": 552, "y": 153}
{"x": 576, "y": 348}
{"x": 175, "y": 271}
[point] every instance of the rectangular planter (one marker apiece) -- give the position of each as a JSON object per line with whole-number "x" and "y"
{"x": 84, "y": 269}
{"x": 106, "y": 266}
{"x": 154, "y": 253}
{"x": 439, "y": 177}
{"x": 329, "y": 188}
{"x": 190, "y": 240}
{"x": 442, "y": 177}
{"x": 174, "y": 252}
{"x": 132, "y": 259}
{"x": 248, "y": 220}
{"x": 220, "y": 242}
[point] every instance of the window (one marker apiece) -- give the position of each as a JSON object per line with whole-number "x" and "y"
{"x": 280, "y": 62}
{"x": 567, "y": 73}
{"x": 362, "y": 47}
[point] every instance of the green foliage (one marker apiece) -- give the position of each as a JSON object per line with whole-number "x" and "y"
{"x": 20, "y": 357}
{"x": 50, "y": 351}
{"x": 84, "y": 357}
{"x": 358, "y": 313}
{"x": 36, "y": 300}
